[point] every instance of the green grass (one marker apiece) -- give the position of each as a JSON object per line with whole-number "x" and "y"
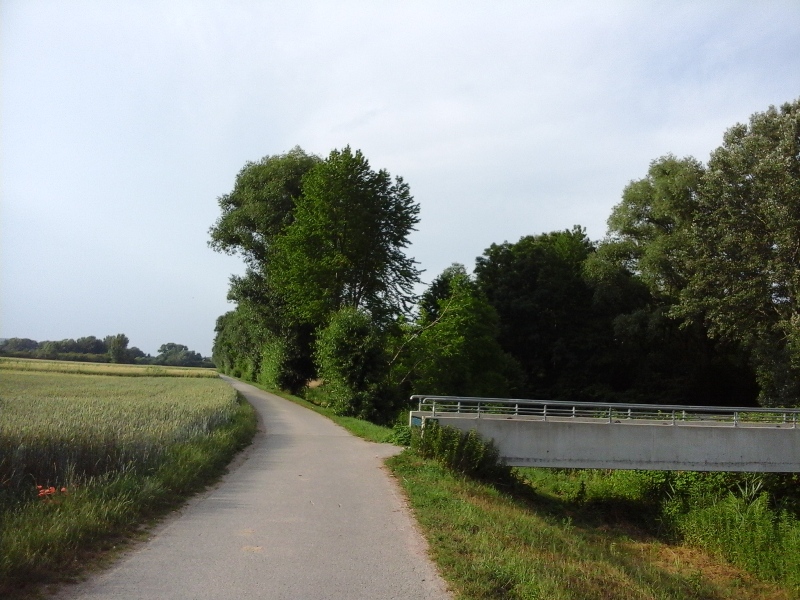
{"x": 86, "y": 368}
{"x": 517, "y": 542}
{"x": 125, "y": 449}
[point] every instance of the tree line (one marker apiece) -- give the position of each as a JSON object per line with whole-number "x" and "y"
{"x": 110, "y": 349}
{"x": 691, "y": 298}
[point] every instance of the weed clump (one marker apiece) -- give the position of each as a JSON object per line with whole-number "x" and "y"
{"x": 466, "y": 453}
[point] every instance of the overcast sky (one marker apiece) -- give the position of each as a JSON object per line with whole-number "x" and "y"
{"x": 121, "y": 123}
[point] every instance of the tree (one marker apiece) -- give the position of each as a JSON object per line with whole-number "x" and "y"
{"x": 648, "y": 231}
{"x": 117, "y": 348}
{"x": 260, "y": 206}
{"x": 354, "y": 365}
{"x": 638, "y": 273}
{"x": 260, "y": 335}
{"x": 538, "y": 290}
{"x": 745, "y": 258}
{"x": 453, "y": 349}
{"x": 19, "y": 345}
{"x": 178, "y": 355}
{"x": 345, "y": 247}
{"x": 91, "y": 345}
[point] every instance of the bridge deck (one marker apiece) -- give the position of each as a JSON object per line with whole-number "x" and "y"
{"x": 617, "y": 436}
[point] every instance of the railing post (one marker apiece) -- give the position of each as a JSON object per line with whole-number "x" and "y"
{"x": 629, "y": 414}
{"x": 673, "y": 417}
{"x": 516, "y": 410}
{"x": 459, "y": 407}
{"x": 735, "y": 418}
{"x": 573, "y": 412}
{"x": 610, "y": 412}
{"x": 544, "y": 412}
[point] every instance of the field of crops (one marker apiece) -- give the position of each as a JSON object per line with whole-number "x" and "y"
{"x": 84, "y": 456}
{"x": 55, "y": 427}
{"x": 85, "y": 368}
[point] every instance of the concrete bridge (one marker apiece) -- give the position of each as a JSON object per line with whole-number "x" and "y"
{"x": 547, "y": 433}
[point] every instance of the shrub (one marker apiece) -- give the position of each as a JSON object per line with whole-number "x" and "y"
{"x": 352, "y": 361}
{"x": 465, "y": 453}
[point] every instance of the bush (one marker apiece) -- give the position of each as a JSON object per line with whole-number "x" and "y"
{"x": 466, "y": 453}
{"x": 352, "y": 361}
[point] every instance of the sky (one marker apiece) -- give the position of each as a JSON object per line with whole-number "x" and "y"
{"x": 122, "y": 123}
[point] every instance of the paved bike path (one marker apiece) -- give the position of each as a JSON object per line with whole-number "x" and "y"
{"x": 309, "y": 513}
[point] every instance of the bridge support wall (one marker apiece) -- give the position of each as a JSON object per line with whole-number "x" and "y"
{"x": 594, "y": 443}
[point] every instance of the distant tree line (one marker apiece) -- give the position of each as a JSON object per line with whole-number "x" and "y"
{"x": 111, "y": 349}
{"x": 692, "y": 297}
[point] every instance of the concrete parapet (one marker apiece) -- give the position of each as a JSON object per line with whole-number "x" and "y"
{"x": 635, "y": 444}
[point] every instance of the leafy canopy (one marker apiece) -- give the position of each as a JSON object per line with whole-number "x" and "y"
{"x": 346, "y": 244}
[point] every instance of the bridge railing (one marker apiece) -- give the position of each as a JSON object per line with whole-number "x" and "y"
{"x": 612, "y": 412}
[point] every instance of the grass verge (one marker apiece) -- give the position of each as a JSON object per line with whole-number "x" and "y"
{"x": 492, "y": 542}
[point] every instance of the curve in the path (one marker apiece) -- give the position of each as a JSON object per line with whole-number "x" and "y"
{"x": 310, "y": 513}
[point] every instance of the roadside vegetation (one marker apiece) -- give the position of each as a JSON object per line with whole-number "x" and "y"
{"x": 691, "y": 298}
{"x": 86, "y": 458}
{"x": 497, "y": 532}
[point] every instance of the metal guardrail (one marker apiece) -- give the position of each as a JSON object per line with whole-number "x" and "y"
{"x": 612, "y": 412}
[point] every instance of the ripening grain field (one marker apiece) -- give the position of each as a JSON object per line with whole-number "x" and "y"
{"x": 84, "y": 457}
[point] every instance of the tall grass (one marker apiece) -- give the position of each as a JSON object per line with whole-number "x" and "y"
{"x": 747, "y": 520}
{"x": 513, "y": 542}
{"x": 120, "y": 448}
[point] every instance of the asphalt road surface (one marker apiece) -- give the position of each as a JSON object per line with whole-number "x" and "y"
{"x": 308, "y": 513}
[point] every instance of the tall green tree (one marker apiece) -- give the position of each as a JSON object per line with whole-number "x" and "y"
{"x": 745, "y": 248}
{"x": 638, "y": 274}
{"x": 260, "y": 339}
{"x": 648, "y": 232}
{"x": 537, "y": 287}
{"x": 346, "y": 245}
{"x": 453, "y": 349}
{"x": 260, "y": 206}
{"x": 117, "y": 348}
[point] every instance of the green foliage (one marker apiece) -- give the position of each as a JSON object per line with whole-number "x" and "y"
{"x": 465, "y": 453}
{"x": 117, "y": 348}
{"x": 649, "y": 229}
{"x": 317, "y": 237}
{"x": 178, "y": 355}
{"x": 538, "y": 289}
{"x": 744, "y": 248}
{"x": 453, "y": 347}
{"x": 346, "y": 245}
{"x": 748, "y": 519}
{"x": 353, "y": 364}
{"x": 749, "y": 533}
{"x": 260, "y": 206}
